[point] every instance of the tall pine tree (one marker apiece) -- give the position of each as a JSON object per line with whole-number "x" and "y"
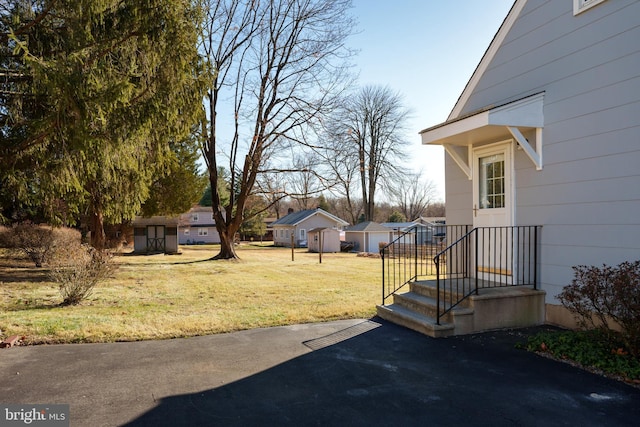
{"x": 115, "y": 82}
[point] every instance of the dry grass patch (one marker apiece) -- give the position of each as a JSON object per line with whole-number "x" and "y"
{"x": 161, "y": 296}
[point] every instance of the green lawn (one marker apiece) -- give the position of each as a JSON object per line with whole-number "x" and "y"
{"x": 158, "y": 296}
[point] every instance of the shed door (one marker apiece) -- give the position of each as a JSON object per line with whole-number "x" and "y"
{"x": 156, "y": 238}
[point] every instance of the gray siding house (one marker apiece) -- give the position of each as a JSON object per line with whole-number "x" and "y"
{"x": 197, "y": 226}
{"x": 546, "y": 133}
{"x": 296, "y": 225}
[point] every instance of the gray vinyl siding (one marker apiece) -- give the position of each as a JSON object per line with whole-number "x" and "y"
{"x": 457, "y": 194}
{"x": 587, "y": 197}
{"x": 213, "y": 237}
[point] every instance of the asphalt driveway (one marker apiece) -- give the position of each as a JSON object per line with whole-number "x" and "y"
{"x": 344, "y": 373}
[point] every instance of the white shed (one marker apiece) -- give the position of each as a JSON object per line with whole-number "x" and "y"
{"x": 323, "y": 239}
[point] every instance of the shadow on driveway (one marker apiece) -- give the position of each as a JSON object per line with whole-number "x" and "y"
{"x": 376, "y": 373}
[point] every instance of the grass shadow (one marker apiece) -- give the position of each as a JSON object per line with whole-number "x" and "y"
{"x": 23, "y": 274}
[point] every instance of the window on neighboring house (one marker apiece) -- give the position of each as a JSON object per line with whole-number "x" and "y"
{"x": 186, "y": 231}
{"x": 194, "y": 217}
{"x": 203, "y": 231}
{"x": 580, "y": 6}
{"x": 303, "y": 234}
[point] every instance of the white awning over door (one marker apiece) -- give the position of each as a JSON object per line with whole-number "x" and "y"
{"x": 521, "y": 120}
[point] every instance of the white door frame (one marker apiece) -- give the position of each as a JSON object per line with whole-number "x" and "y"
{"x": 496, "y": 246}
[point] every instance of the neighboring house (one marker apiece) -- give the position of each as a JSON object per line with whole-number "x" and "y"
{"x": 545, "y": 134}
{"x": 295, "y": 226}
{"x": 158, "y": 234}
{"x": 367, "y": 236}
{"x": 323, "y": 239}
{"x": 424, "y": 232}
{"x": 437, "y": 226}
{"x": 268, "y": 235}
{"x": 198, "y": 227}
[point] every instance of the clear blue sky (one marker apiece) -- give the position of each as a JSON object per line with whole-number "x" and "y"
{"x": 426, "y": 50}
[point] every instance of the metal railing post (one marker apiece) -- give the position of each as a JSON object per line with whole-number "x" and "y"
{"x": 415, "y": 253}
{"x": 382, "y": 257}
{"x": 535, "y": 258}
{"x": 436, "y": 261}
{"x": 477, "y": 269}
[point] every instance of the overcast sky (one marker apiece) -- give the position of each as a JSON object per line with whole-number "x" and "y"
{"x": 426, "y": 50}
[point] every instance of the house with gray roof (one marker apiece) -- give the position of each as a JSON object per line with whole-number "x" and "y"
{"x": 367, "y": 236}
{"x": 295, "y": 226}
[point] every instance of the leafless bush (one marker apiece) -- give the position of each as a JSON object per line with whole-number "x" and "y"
{"x": 38, "y": 242}
{"x": 77, "y": 269}
{"x": 607, "y": 298}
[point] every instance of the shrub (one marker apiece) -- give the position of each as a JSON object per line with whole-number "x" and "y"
{"x": 607, "y": 298}
{"x": 592, "y": 349}
{"x": 35, "y": 241}
{"x": 77, "y": 269}
{"x": 39, "y": 243}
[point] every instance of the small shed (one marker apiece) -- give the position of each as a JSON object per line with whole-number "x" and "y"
{"x": 324, "y": 239}
{"x": 157, "y": 234}
{"x": 367, "y": 236}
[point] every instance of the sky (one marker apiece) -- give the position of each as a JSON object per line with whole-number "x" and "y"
{"x": 426, "y": 50}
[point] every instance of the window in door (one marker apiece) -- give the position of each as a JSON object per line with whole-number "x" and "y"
{"x": 491, "y": 181}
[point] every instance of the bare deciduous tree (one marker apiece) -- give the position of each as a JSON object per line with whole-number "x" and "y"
{"x": 341, "y": 167}
{"x": 411, "y": 194}
{"x": 279, "y": 64}
{"x": 272, "y": 186}
{"x": 305, "y": 183}
{"x": 372, "y": 126}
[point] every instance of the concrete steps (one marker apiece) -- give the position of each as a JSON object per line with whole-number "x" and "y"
{"x": 492, "y": 308}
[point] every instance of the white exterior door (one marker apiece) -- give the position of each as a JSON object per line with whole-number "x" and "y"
{"x": 493, "y": 210}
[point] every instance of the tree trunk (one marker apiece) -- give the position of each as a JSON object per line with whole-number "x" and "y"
{"x": 227, "y": 247}
{"x": 98, "y": 238}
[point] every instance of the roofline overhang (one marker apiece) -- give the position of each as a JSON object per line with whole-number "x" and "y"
{"x": 521, "y": 120}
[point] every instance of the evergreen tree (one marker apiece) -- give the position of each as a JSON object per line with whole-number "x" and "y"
{"x": 181, "y": 183}
{"x": 114, "y": 82}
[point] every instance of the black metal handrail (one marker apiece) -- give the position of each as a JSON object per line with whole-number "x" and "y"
{"x": 410, "y": 255}
{"x": 485, "y": 257}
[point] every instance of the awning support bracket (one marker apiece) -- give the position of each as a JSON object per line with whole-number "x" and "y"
{"x": 534, "y": 154}
{"x": 456, "y": 154}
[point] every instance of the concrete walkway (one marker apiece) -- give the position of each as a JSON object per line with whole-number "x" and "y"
{"x": 345, "y": 373}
